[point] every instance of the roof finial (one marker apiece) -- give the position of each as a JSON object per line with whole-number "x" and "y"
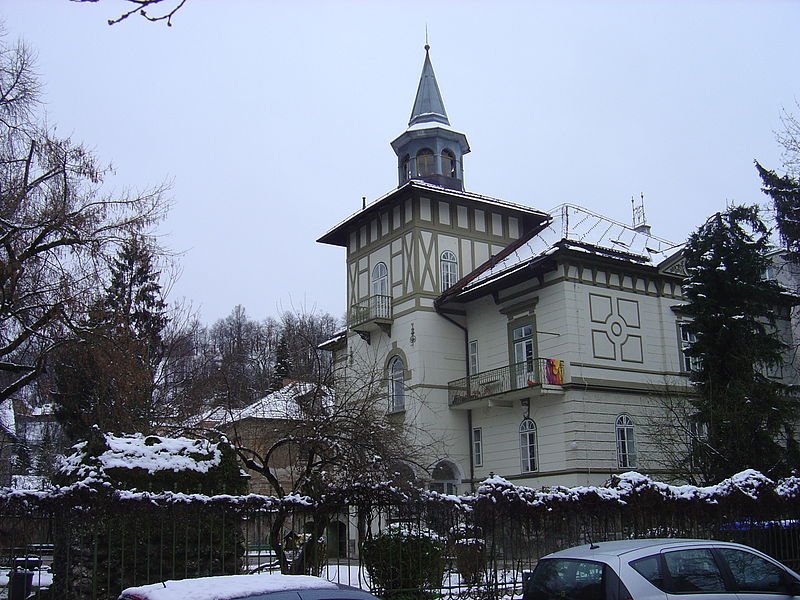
{"x": 427, "y": 45}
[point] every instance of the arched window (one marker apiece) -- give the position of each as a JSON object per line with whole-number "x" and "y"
{"x": 449, "y": 164}
{"x": 405, "y": 167}
{"x": 426, "y": 165}
{"x": 626, "y": 448}
{"x": 527, "y": 446}
{"x": 449, "y": 269}
{"x": 397, "y": 394}
{"x": 380, "y": 280}
{"x": 402, "y": 474}
{"x": 444, "y": 479}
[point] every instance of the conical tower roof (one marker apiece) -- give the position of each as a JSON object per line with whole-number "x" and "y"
{"x": 428, "y": 105}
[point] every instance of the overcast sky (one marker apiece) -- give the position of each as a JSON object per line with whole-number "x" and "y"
{"x": 272, "y": 119}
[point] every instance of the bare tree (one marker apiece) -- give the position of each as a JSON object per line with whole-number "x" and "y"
{"x": 58, "y": 226}
{"x": 316, "y": 437}
{"x": 244, "y": 353}
{"x": 679, "y": 440}
{"x": 789, "y": 138}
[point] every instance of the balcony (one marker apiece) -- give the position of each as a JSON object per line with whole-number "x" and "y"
{"x": 500, "y": 387}
{"x": 372, "y": 314}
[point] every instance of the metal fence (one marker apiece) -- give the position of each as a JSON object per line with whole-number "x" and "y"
{"x": 93, "y": 550}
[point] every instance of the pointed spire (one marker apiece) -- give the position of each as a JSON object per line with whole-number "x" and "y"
{"x": 428, "y": 105}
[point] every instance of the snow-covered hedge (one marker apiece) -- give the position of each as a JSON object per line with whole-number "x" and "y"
{"x": 627, "y": 490}
{"x": 139, "y": 463}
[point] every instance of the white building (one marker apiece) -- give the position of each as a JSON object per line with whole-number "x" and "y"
{"x": 530, "y": 345}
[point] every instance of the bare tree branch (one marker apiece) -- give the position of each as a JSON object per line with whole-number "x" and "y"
{"x": 140, "y": 7}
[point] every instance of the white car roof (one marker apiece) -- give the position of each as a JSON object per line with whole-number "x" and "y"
{"x": 618, "y": 548}
{"x": 226, "y": 587}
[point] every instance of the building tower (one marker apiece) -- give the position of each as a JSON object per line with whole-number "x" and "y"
{"x": 430, "y": 150}
{"x": 404, "y": 251}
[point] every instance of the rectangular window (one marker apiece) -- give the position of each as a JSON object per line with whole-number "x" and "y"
{"x": 769, "y": 273}
{"x": 473, "y": 357}
{"x": 522, "y": 348}
{"x": 690, "y": 363}
{"x": 698, "y": 435}
{"x": 477, "y": 446}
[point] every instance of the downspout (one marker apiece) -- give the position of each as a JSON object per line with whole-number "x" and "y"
{"x": 437, "y": 308}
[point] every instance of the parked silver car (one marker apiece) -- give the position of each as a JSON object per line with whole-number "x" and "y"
{"x": 250, "y": 587}
{"x": 661, "y": 569}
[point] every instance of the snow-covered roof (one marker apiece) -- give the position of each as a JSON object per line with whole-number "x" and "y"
{"x": 281, "y": 404}
{"x": 338, "y": 336}
{"x": 430, "y": 125}
{"x": 225, "y": 587}
{"x": 576, "y": 228}
{"x": 137, "y": 451}
{"x": 336, "y": 235}
{"x": 208, "y": 418}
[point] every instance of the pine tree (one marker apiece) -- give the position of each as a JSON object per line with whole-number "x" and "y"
{"x": 748, "y": 415}
{"x": 785, "y": 193}
{"x": 108, "y": 377}
{"x": 283, "y": 366}
{"x": 133, "y": 302}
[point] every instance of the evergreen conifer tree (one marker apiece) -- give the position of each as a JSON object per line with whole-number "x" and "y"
{"x": 108, "y": 377}
{"x": 785, "y": 193}
{"x": 747, "y": 414}
{"x": 283, "y": 366}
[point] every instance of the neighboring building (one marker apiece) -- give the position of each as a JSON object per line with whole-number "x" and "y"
{"x": 530, "y": 345}
{"x": 787, "y": 273}
{"x": 260, "y": 424}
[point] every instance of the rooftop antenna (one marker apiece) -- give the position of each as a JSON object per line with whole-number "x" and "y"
{"x": 639, "y": 219}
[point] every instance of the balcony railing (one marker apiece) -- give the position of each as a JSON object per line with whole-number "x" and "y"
{"x": 516, "y": 376}
{"x": 374, "y": 308}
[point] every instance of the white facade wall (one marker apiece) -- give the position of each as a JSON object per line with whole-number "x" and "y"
{"x": 410, "y": 239}
{"x": 576, "y": 428}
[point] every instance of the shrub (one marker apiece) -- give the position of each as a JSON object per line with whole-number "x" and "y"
{"x": 135, "y": 542}
{"x": 468, "y": 547}
{"x": 470, "y": 559}
{"x": 404, "y": 563}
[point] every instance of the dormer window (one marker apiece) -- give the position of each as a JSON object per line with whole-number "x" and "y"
{"x": 449, "y": 164}
{"x": 426, "y": 165}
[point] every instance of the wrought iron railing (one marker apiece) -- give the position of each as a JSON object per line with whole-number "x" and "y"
{"x": 516, "y": 376}
{"x": 93, "y": 549}
{"x": 371, "y": 309}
